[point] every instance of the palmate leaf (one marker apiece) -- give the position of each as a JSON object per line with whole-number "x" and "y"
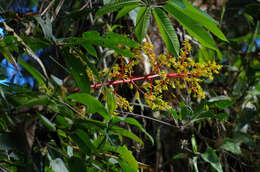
{"x": 142, "y": 22}
{"x": 193, "y": 27}
{"x": 168, "y": 33}
{"x": 201, "y": 17}
{"x": 116, "y": 4}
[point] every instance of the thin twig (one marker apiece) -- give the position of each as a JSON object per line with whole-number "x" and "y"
{"x": 48, "y": 7}
{"x": 84, "y": 6}
{"x": 147, "y": 117}
{"x": 57, "y": 10}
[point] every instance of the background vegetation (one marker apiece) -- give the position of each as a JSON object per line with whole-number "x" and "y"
{"x": 129, "y": 85}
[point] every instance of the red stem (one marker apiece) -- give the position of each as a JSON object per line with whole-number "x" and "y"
{"x": 150, "y": 76}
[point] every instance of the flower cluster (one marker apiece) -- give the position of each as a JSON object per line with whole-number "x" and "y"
{"x": 167, "y": 73}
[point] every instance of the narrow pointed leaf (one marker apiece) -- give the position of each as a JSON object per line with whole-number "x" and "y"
{"x": 111, "y": 101}
{"x": 142, "y": 21}
{"x": 168, "y": 33}
{"x": 193, "y": 28}
{"x": 93, "y": 104}
{"x": 35, "y": 73}
{"x": 125, "y": 10}
{"x": 116, "y": 4}
{"x": 78, "y": 72}
{"x": 179, "y": 3}
{"x": 134, "y": 122}
{"x": 123, "y": 132}
{"x": 201, "y": 17}
{"x": 46, "y": 122}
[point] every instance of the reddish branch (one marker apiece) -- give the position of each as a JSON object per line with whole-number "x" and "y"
{"x": 151, "y": 76}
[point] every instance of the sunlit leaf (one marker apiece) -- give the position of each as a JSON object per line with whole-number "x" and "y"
{"x": 127, "y": 155}
{"x": 193, "y": 28}
{"x": 125, "y": 10}
{"x": 58, "y": 165}
{"x": 116, "y": 4}
{"x": 93, "y": 104}
{"x": 142, "y": 22}
{"x": 168, "y": 33}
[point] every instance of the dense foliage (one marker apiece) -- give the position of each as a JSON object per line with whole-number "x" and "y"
{"x": 129, "y": 85}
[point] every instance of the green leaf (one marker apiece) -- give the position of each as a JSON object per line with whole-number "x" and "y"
{"x": 78, "y": 72}
{"x": 168, "y": 33}
{"x": 111, "y": 101}
{"x": 195, "y": 164}
{"x": 194, "y": 144}
{"x": 86, "y": 124}
{"x": 63, "y": 122}
{"x": 193, "y": 28}
{"x": 4, "y": 50}
{"x": 221, "y": 102}
{"x": 257, "y": 86}
{"x": 211, "y": 157}
{"x": 125, "y": 10}
{"x": 127, "y": 155}
{"x": 116, "y": 4}
{"x": 203, "y": 18}
{"x": 180, "y": 156}
{"x": 111, "y": 41}
{"x": 34, "y": 100}
{"x": 126, "y": 167}
{"x": 134, "y": 122}
{"x": 173, "y": 113}
{"x": 179, "y": 3}
{"x": 142, "y": 22}
{"x": 83, "y": 136}
{"x": 123, "y": 132}
{"x": 35, "y": 73}
{"x": 90, "y": 49}
{"x": 93, "y": 104}
{"x": 47, "y": 123}
{"x": 231, "y": 145}
{"x": 58, "y": 165}
{"x": 241, "y": 137}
